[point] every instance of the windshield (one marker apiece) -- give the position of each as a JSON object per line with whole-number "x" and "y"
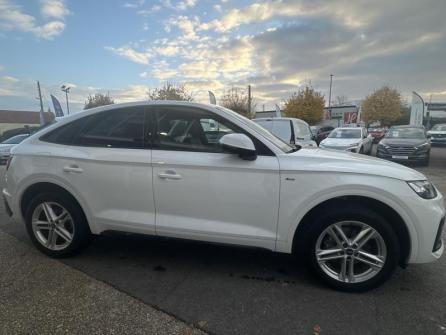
{"x": 406, "y": 133}
{"x": 345, "y": 133}
{"x": 15, "y": 139}
{"x": 280, "y": 128}
{"x": 285, "y": 147}
{"x": 439, "y": 127}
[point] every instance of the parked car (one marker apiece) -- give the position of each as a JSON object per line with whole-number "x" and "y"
{"x": 405, "y": 144}
{"x": 321, "y": 133}
{"x": 291, "y": 130}
{"x": 349, "y": 139}
{"x": 437, "y": 134}
{"x": 7, "y": 145}
{"x": 377, "y": 133}
{"x": 133, "y": 168}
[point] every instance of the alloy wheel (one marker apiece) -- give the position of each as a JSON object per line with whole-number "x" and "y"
{"x": 52, "y": 225}
{"x": 350, "y": 251}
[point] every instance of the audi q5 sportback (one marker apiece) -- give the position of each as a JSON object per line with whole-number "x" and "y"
{"x": 203, "y": 172}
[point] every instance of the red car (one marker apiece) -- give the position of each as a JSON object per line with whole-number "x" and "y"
{"x": 377, "y": 133}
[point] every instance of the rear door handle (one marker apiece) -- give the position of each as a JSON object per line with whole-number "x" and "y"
{"x": 73, "y": 169}
{"x": 169, "y": 174}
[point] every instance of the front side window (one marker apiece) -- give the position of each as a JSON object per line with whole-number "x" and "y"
{"x": 190, "y": 129}
{"x": 119, "y": 128}
{"x": 303, "y": 130}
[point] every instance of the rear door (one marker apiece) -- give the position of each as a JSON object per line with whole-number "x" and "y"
{"x": 204, "y": 193}
{"x": 106, "y": 159}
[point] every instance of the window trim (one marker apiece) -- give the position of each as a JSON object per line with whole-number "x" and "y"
{"x": 145, "y": 145}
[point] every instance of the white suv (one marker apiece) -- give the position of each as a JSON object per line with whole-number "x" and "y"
{"x": 158, "y": 168}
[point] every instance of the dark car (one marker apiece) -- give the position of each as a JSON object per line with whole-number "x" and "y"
{"x": 321, "y": 133}
{"x": 405, "y": 144}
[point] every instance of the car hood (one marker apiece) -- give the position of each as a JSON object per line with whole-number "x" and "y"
{"x": 7, "y": 146}
{"x": 403, "y": 141}
{"x": 323, "y": 160}
{"x": 437, "y": 132}
{"x": 340, "y": 142}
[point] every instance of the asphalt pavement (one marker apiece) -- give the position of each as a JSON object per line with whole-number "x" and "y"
{"x": 230, "y": 290}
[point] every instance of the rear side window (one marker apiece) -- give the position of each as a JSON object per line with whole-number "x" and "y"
{"x": 119, "y": 128}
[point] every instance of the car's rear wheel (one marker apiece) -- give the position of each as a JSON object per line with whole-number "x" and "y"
{"x": 353, "y": 249}
{"x": 56, "y": 225}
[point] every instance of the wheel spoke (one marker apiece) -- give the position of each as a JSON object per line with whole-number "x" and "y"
{"x": 351, "y": 270}
{"x": 341, "y": 233}
{"x": 370, "y": 259}
{"x": 49, "y": 213}
{"x": 62, "y": 216}
{"x": 329, "y": 254}
{"x": 343, "y": 273}
{"x": 333, "y": 234}
{"x": 52, "y": 237}
{"x": 41, "y": 225}
{"x": 63, "y": 233}
{"x": 364, "y": 236}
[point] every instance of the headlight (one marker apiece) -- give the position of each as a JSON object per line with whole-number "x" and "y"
{"x": 423, "y": 188}
{"x": 422, "y": 146}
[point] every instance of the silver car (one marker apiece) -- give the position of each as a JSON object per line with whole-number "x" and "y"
{"x": 7, "y": 145}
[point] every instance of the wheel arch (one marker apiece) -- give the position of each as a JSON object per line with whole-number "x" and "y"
{"x": 41, "y": 187}
{"x": 390, "y": 214}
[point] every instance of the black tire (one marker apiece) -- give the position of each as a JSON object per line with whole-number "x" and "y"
{"x": 426, "y": 161}
{"x": 356, "y": 213}
{"x": 81, "y": 233}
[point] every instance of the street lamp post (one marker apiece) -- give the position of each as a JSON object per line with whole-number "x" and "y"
{"x": 66, "y": 89}
{"x": 329, "y": 95}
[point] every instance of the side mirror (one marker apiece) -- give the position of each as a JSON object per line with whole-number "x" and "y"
{"x": 239, "y": 144}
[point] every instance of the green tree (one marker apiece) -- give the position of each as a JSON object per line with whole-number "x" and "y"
{"x": 170, "y": 91}
{"x": 306, "y": 104}
{"x": 97, "y": 100}
{"x": 383, "y": 105}
{"x": 405, "y": 115}
{"x": 237, "y": 101}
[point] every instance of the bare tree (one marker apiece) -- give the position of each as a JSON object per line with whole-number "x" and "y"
{"x": 97, "y": 100}
{"x": 237, "y": 100}
{"x": 341, "y": 100}
{"x": 170, "y": 91}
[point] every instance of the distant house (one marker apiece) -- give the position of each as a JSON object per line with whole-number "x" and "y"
{"x": 16, "y": 122}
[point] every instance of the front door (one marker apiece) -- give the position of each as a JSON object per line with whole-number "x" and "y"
{"x": 204, "y": 193}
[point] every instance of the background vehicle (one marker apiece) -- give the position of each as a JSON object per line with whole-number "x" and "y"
{"x": 6, "y": 146}
{"x": 149, "y": 168}
{"x": 377, "y": 133}
{"x": 437, "y": 134}
{"x": 349, "y": 139}
{"x": 405, "y": 144}
{"x": 290, "y": 130}
{"x": 321, "y": 133}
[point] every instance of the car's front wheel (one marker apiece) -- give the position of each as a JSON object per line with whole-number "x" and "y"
{"x": 56, "y": 225}
{"x": 353, "y": 250}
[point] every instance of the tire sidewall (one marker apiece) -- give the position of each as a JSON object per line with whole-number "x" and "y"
{"x": 370, "y": 218}
{"x": 81, "y": 228}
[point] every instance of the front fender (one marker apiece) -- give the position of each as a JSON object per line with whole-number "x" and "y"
{"x": 315, "y": 189}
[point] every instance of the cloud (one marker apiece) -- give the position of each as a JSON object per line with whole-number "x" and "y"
{"x": 9, "y": 79}
{"x": 131, "y": 54}
{"x": 54, "y": 9}
{"x": 170, "y": 50}
{"x": 13, "y": 18}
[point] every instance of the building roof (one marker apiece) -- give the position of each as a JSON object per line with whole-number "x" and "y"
{"x": 25, "y": 117}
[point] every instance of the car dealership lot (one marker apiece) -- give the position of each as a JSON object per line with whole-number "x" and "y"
{"x": 228, "y": 290}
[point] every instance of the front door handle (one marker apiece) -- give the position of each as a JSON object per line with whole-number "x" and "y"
{"x": 169, "y": 174}
{"x": 73, "y": 169}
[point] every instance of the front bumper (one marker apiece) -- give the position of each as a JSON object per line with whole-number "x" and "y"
{"x": 411, "y": 158}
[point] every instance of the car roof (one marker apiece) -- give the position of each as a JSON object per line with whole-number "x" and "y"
{"x": 343, "y": 128}
{"x": 279, "y": 119}
{"x": 408, "y": 126}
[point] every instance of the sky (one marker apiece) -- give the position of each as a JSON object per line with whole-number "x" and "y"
{"x": 125, "y": 48}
